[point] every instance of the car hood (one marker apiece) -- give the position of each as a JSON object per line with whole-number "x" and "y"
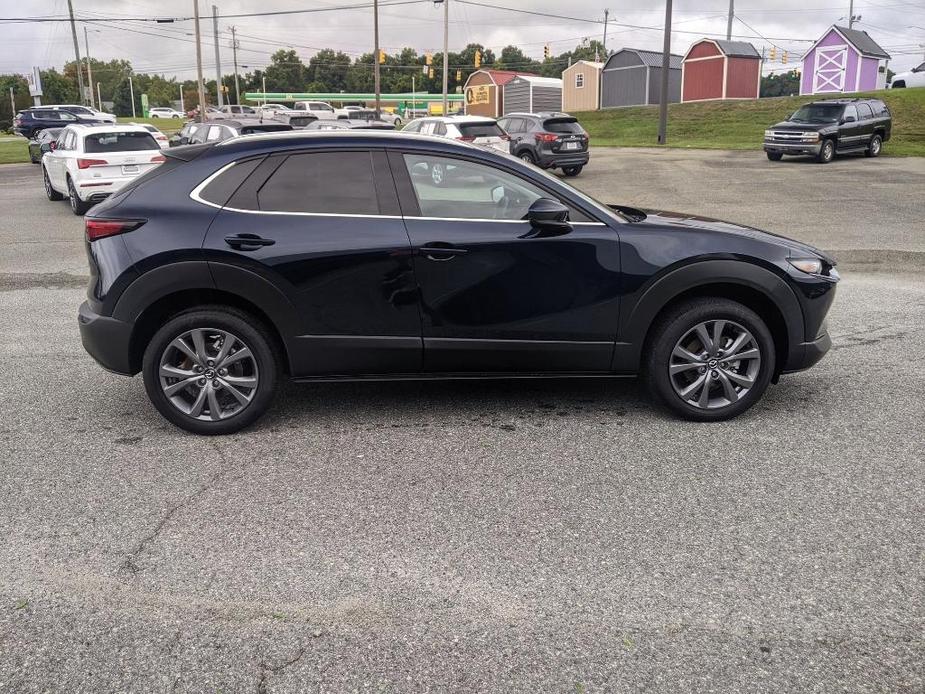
{"x": 790, "y": 125}
{"x": 679, "y": 220}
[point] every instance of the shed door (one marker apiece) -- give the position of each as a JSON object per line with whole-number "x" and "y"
{"x": 829, "y": 75}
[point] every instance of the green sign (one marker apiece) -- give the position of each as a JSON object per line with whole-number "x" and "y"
{"x": 144, "y": 105}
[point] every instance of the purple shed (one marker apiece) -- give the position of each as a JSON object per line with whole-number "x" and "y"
{"x": 844, "y": 60}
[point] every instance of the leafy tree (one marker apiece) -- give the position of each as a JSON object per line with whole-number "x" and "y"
{"x": 512, "y": 58}
{"x": 783, "y": 84}
{"x": 286, "y": 72}
{"x": 330, "y": 68}
{"x": 58, "y": 89}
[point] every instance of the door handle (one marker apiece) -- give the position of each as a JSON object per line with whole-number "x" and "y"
{"x": 434, "y": 252}
{"x": 247, "y": 242}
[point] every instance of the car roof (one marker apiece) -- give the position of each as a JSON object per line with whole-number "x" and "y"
{"x": 843, "y": 101}
{"x": 118, "y": 127}
{"x": 541, "y": 114}
{"x": 460, "y": 119}
{"x": 347, "y": 138}
{"x": 244, "y": 122}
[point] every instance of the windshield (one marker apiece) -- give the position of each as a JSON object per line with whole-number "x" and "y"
{"x": 119, "y": 142}
{"x": 818, "y": 113}
{"x": 563, "y": 125}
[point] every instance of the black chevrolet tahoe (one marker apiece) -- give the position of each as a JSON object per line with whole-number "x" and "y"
{"x": 824, "y": 128}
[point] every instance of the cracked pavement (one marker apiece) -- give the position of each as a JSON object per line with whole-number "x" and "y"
{"x": 537, "y": 536}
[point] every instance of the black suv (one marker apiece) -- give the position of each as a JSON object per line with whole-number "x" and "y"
{"x": 824, "y": 128}
{"x": 32, "y": 121}
{"x": 334, "y": 256}
{"x": 549, "y": 140}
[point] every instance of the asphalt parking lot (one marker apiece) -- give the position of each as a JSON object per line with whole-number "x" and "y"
{"x": 540, "y": 536}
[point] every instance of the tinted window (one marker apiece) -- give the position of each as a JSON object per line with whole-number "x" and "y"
{"x": 880, "y": 108}
{"x": 817, "y": 113}
{"x": 864, "y": 111}
{"x": 119, "y": 142}
{"x": 224, "y": 186}
{"x": 264, "y": 128}
{"x": 563, "y": 125}
{"x": 325, "y": 182}
{"x": 486, "y": 129}
{"x": 850, "y": 112}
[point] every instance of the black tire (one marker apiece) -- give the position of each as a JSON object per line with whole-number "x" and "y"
{"x": 675, "y": 325}
{"x": 50, "y": 192}
{"x": 176, "y": 117}
{"x": 78, "y": 206}
{"x": 32, "y": 158}
{"x": 875, "y": 146}
{"x": 526, "y": 157}
{"x": 826, "y": 152}
{"x": 774, "y": 156}
{"x": 249, "y": 331}
{"x": 898, "y": 85}
{"x": 572, "y": 170}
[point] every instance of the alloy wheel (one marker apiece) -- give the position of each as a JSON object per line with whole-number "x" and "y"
{"x": 208, "y": 374}
{"x": 875, "y": 146}
{"x": 714, "y": 364}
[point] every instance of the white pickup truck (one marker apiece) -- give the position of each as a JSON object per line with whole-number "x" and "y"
{"x": 322, "y": 109}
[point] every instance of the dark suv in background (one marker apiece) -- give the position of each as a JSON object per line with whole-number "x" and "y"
{"x": 549, "y": 140}
{"x": 824, "y": 128}
{"x": 32, "y": 121}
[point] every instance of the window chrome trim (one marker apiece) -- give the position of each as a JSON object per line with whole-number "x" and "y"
{"x": 195, "y": 194}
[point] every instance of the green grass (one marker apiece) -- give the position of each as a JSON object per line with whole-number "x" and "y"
{"x": 168, "y": 126}
{"x": 741, "y": 124}
{"x": 14, "y": 151}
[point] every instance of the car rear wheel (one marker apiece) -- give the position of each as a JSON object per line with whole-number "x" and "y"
{"x": 826, "y": 152}
{"x": 775, "y": 156}
{"x": 78, "y": 206}
{"x": 572, "y": 170}
{"x": 211, "y": 370}
{"x": 710, "y": 359}
{"x": 50, "y": 192}
{"x": 875, "y": 146}
{"x": 527, "y": 158}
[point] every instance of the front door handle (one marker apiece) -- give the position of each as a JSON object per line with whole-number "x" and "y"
{"x": 441, "y": 252}
{"x": 247, "y": 242}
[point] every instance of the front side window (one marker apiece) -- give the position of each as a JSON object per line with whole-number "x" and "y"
{"x": 461, "y": 189}
{"x": 322, "y": 182}
{"x": 850, "y": 112}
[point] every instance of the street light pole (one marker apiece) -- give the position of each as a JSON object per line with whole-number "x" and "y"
{"x": 218, "y": 62}
{"x": 89, "y": 69}
{"x": 446, "y": 54}
{"x": 666, "y": 66}
{"x": 234, "y": 54}
{"x": 732, "y": 14}
{"x": 199, "y": 84}
{"x": 131, "y": 91}
{"x": 376, "y": 83}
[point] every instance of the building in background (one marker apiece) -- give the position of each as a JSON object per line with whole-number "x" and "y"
{"x": 532, "y": 94}
{"x": 844, "y": 60}
{"x": 632, "y": 77}
{"x": 581, "y": 86}
{"x": 714, "y": 69}
{"x": 484, "y": 91}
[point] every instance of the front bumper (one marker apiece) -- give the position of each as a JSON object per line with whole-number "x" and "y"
{"x": 793, "y": 147}
{"x": 106, "y": 339}
{"x": 809, "y": 353}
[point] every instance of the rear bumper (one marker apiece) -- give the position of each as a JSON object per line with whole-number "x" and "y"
{"x": 793, "y": 147}
{"x": 106, "y": 339}
{"x": 550, "y": 160}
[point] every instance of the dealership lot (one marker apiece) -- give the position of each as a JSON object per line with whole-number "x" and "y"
{"x": 539, "y": 536}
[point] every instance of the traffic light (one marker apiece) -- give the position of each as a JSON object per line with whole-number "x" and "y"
{"x": 430, "y": 72}
{"x": 773, "y": 54}
{"x": 459, "y": 75}
{"x": 478, "y": 58}
{"x": 546, "y": 52}
{"x": 784, "y": 58}
{"x": 381, "y": 56}
{"x": 428, "y": 58}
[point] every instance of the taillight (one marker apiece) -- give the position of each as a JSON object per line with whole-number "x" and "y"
{"x": 467, "y": 138}
{"x": 87, "y": 163}
{"x": 158, "y": 159}
{"x": 101, "y": 228}
{"x": 546, "y": 137}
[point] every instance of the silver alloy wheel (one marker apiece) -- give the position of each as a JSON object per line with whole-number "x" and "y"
{"x": 208, "y": 374}
{"x": 714, "y": 364}
{"x": 828, "y": 150}
{"x": 875, "y": 146}
{"x": 48, "y": 189}
{"x": 526, "y": 158}
{"x": 72, "y": 194}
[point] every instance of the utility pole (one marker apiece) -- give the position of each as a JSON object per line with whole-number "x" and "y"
{"x": 131, "y": 91}
{"x": 199, "y": 85}
{"x": 234, "y": 53}
{"x": 446, "y": 54}
{"x": 606, "y": 17}
{"x": 182, "y": 106}
{"x": 732, "y": 14}
{"x": 80, "y": 72}
{"x": 13, "y": 103}
{"x": 89, "y": 69}
{"x": 850, "y": 14}
{"x": 376, "y": 85}
{"x": 663, "y": 92}
{"x": 218, "y": 63}
{"x": 99, "y": 99}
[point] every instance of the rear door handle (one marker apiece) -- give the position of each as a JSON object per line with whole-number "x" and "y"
{"x": 442, "y": 252}
{"x": 247, "y": 242}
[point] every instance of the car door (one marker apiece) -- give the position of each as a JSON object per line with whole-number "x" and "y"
{"x": 865, "y": 123}
{"x": 325, "y": 228}
{"x": 57, "y": 165}
{"x": 850, "y": 132}
{"x": 495, "y": 295}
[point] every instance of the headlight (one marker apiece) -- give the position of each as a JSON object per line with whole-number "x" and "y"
{"x": 812, "y": 266}
{"x": 810, "y": 137}
{"x": 768, "y": 134}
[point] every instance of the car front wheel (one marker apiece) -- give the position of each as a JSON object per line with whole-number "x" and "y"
{"x": 710, "y": 359}
{"x": 211, "y": 370}
{"x": 826, "y": 152}
{"x": 775, "y": 156}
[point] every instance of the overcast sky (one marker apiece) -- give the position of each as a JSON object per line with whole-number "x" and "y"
{"x": 169, "y": 48}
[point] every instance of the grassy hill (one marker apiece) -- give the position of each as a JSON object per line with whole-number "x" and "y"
{"x": 741, "y": 124}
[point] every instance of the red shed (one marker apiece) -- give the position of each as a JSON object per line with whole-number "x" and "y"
{"x": 714, "y": 69}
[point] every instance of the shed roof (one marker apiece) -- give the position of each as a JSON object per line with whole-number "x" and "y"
{"x": 538, "y": 81}
{"x": 651, "y": 58}
{"x": 503, "y": 76}
{"x": 862, "y": 41}
{"x": 590, "y": 63}
{"x": 737, "y": 49}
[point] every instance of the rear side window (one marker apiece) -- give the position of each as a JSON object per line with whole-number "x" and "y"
{"x": 222, "y": 187}
{"x": 880, "y": 109}
{"x": 412, "y": 127}
{"x": 864, "y": 111}
{"x": 322, "y": 182}
{"x": 264, "y": 128}
{"x": 487, "y": 129}
{"x": 568, "y": 126}
{"x": 98, "y": 143}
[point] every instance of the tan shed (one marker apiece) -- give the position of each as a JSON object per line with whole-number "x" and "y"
{"x": 484, "y": 91}
{"x": 581, "y": 86}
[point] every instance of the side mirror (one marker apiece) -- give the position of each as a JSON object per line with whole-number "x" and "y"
{"x": 849, "y": 119}
{"x": 52, "y": 146}
{"x": 547, "y": 218}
